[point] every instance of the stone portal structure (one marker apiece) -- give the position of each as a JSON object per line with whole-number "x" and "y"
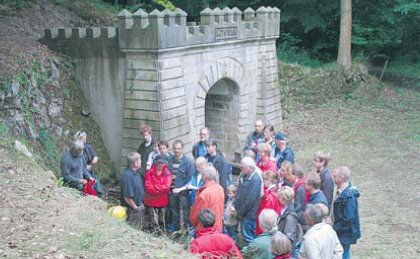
{"x": 178, "y": 77}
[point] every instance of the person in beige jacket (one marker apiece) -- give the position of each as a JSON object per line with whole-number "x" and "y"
{"x": 320, "y": 241}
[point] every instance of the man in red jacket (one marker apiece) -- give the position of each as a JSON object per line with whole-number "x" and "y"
{"x": 210, "y": 196}
{"x": 157, "y": 184}
{"x": 211, "y": 243}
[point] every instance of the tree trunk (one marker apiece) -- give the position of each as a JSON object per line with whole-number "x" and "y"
{"x": 344, "y": 46}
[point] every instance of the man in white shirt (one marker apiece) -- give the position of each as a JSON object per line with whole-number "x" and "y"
{"x": 320, "y": 241}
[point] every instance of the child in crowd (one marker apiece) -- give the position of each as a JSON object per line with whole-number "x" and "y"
{"x": 152, "y": 155}
{"x": 230, "y": 219}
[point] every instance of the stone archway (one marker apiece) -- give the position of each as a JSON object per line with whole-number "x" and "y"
{"x": 222, "y": 113}
{"x": 226, "y": 79}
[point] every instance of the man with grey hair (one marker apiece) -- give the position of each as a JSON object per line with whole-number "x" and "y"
{"x": 199, "y": 148}
{"x": 259, "y": 248}
{"x": 248, "y": 198}
{"x": 73, "y": 167}
{"x": 210, "y": 196}
{"x": 345, "y": 210}
{"x": 320, "y": 241}
{"x": 132, "y": 190}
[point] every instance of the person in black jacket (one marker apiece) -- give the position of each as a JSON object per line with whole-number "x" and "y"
{"x": 345, "y": 210}
{"x": 248, "y": 198}
{"x": 216, "y": 159}
{"x": 321, "y": 160}
{"x": 288, "y": 220}
{"x": 145, "y": 147}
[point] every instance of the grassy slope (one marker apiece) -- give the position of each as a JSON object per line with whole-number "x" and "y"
{"x": 377, "y": 134}
{"x": 40, "y": 219}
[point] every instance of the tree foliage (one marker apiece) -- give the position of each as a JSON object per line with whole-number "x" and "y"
{"x": 381, "y": 29}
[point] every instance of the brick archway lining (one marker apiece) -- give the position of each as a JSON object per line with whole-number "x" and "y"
{"x": 224, "y": 68}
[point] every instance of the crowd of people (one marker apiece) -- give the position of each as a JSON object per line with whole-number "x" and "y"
{"x": 274, "y": 209}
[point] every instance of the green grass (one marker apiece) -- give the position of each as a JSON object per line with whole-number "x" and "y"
{"x": 377, "y": 135}
{"x": 3, "y": 129}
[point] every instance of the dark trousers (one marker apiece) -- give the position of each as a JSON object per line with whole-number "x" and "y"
{"x": 155, "y": 218}
{"x": 176, "y": 203}
{"x": 135, "y": 217}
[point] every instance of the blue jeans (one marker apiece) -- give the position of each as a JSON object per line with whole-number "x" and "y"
{"x": 176, "y": 202}
{"x": 248, "y": 229}
{"x": 232, "y": 231}
{"x": 296, "y": 249}
{"x": 346, "y": 252}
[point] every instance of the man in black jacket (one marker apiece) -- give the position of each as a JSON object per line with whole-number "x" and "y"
{"x": 216, "y": 159}
{"x": 248, "y": 198}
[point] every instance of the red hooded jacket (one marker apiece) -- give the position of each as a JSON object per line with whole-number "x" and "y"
{"x": 157, "y": 187}
{"x": 296, "y": 186}
{"x": 212, "y": 244}
{"x": 270, "y": 200}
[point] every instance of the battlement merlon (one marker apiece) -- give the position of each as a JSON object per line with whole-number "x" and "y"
{"x": 83, "y": 42}
{"x": 168, "y": 29}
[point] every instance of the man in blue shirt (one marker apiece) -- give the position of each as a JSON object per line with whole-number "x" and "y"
{"x": 182, "y": 171}
{"x": 313, "y": 186}
{"x": 199, "y": 148}
{"x": 132, "y": 190}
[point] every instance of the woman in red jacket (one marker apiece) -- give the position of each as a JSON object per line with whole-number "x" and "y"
{"x": 270, "y": 199}
{"x": 157, "y": 184}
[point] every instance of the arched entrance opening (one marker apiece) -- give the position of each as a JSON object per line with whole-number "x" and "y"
{"x": 222, "y": 113}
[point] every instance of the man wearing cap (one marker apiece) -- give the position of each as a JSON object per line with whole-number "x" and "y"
{"x": 157, "y": 185}
{"x": 282, "y": 152}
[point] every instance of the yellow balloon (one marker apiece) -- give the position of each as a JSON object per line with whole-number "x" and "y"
{"x": 118, "y": 212}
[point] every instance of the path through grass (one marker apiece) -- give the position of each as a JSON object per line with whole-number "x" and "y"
{"x": 378, "y": 138}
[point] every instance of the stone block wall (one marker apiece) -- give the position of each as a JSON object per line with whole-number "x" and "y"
{"x": 156, "y": 69}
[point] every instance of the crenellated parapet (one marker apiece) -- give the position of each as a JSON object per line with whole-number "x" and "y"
{"x": 80, "y": 42}
{"x": 166, "y": 29}
{"x": 155, "y": 30}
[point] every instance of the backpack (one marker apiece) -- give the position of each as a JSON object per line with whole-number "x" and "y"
{"x": 89, "y": 188}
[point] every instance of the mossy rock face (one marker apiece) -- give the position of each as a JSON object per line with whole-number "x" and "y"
{"x": 75, "y": 109}
{"x": 42, "y": 105}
